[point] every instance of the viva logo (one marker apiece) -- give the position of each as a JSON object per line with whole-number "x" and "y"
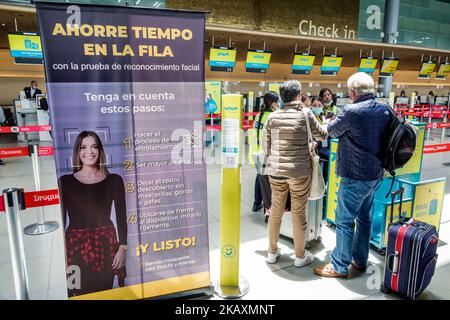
{"x": 31, "y": 45}
{"x": 223, "y": 54}
{"x": 231, "y": 109}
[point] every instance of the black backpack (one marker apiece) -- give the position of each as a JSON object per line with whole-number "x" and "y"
{"x": 400, "y": 145}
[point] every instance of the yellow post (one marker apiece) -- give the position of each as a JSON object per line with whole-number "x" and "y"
{"x": 230, "y": 200}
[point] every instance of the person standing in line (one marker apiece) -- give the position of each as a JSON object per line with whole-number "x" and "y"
{"x": 289, "y": 167}
{"x": 361, "y": 129}
{"x": 262, "y": 186}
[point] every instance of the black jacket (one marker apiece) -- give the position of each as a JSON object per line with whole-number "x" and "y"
{"x": 28, "y": 92}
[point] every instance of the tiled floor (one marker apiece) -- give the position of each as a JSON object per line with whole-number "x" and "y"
{"x": 45, "y": 254}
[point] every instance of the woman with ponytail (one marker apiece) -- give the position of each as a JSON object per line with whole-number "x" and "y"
{"x": 262, "y": 186}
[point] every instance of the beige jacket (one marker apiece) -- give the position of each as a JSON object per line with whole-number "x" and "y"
{"x": 286, "y": 140}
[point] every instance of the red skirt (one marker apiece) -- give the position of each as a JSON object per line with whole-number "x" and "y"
{"x": 96, "y": 247}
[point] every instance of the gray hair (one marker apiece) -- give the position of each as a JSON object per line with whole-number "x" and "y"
{"x": 361, "y": 83}
{"x": 290, "y": 90}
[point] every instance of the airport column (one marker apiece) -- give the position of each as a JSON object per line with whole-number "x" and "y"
{"x": 391, "y": 13}
{"x": 231, "y": 285}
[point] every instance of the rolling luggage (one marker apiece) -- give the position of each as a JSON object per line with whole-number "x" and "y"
{"x": 410, "y": 255}
{"x": 314, "y": 213}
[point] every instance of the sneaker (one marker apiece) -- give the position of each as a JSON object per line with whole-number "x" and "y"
{"x": 2, "y": 163}
{"x": 307, "y": 259}
{"x": 272, "y": 257}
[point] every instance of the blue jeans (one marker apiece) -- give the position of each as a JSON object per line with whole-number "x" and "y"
{"x": 355, "y": 200}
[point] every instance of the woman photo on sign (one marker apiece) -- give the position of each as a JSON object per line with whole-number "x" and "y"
{"x": 94, "y": 247}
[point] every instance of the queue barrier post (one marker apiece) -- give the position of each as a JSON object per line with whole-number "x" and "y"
{"x": 213, "y": 146}
{"x": 443, "y": 129}
{"x": 231, "y": 284}
{"x": 14, "y": 202}
{"x": 42, "y": 226}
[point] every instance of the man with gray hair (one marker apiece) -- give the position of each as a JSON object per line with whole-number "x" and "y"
{"x": 289, "y": 167}
{"x": 361, "y": 129}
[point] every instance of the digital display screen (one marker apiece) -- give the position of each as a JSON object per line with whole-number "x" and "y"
{"x": 368, "y": 65}
{"x": 303, "y": 63}
{"x": 331, "y": 65}
{"x": 388, "y": 67}
{"x": 444, "y": 70}
{"x": 426, "y": 70}
{"x": 25, "y": 45}
{"x": 222, "y": 59}
{"x": 257, "y": 61}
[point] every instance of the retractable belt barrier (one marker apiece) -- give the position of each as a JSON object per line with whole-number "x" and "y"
{"x": 436, "y": 148}
{"x": 36, "y": 199}
{"x": 25, "y": 152}
{"x": 12, "y": 201}
{"x": 25, "y": 129}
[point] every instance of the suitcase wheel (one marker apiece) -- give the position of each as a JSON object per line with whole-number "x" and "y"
{"x": 384, "y": 289}
{"x": 382, "y": 251}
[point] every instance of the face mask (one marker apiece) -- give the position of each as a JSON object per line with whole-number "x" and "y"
{"x": 280, "y": 104}
{"x": 317, "y": 111}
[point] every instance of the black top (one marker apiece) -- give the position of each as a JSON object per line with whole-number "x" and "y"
{"x": 28, "y": 92}
{"x": 89, "y": 205}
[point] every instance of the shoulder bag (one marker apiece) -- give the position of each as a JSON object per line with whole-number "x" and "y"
{"x": 317, "y": 190}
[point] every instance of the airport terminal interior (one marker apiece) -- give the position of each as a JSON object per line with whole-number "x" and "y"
{"x": 294, "y": 46}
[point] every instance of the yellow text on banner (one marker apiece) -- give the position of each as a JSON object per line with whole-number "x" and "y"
{"x": 428, "y": 201}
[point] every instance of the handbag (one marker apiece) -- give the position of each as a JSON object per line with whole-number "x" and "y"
{"x": 317, "y": 190}
{"x": 260, "y": 160}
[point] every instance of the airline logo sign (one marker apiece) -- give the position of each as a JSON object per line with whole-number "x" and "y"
{"x": 222, "y": 57}
{"x": 444, "y": 70}
{"x": 427, "y": 70}
{"x": 25, "y": 46}
{"x": 258, "y": 59}
{"x": 303, "y": 62}
{"x": 231, "y": 109}
{"x": 389, "y": 67}
{"x": 368, "y": 65}
{"x": 331, "y": 63}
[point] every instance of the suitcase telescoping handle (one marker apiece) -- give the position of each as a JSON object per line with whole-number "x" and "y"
{"x": 393, "y": 195}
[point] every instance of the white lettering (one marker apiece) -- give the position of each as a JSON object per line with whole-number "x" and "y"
{"x": 374, "y": 20}
{"x": 300, "y": 27}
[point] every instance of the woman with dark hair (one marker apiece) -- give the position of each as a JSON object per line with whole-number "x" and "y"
{"x": 329, "y": 107}
{"x": 262, "y": 186}
{"x": 87, "y": 197}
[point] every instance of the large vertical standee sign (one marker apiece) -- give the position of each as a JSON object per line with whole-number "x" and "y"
{"x": 126, "y": 97}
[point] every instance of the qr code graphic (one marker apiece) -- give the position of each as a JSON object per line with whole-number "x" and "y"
{"x": 192, "y": 138}
{"x": 230, "y": 162}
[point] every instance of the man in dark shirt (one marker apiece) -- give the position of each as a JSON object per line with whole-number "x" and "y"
{"x": 361, "y": 130}
{"x": 31, "y": 92}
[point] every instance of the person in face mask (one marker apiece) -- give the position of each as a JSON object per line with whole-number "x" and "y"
{"x": 317, "y": 108}
{"x": 31, "y": 92}
{"x": 329, "y": 107}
